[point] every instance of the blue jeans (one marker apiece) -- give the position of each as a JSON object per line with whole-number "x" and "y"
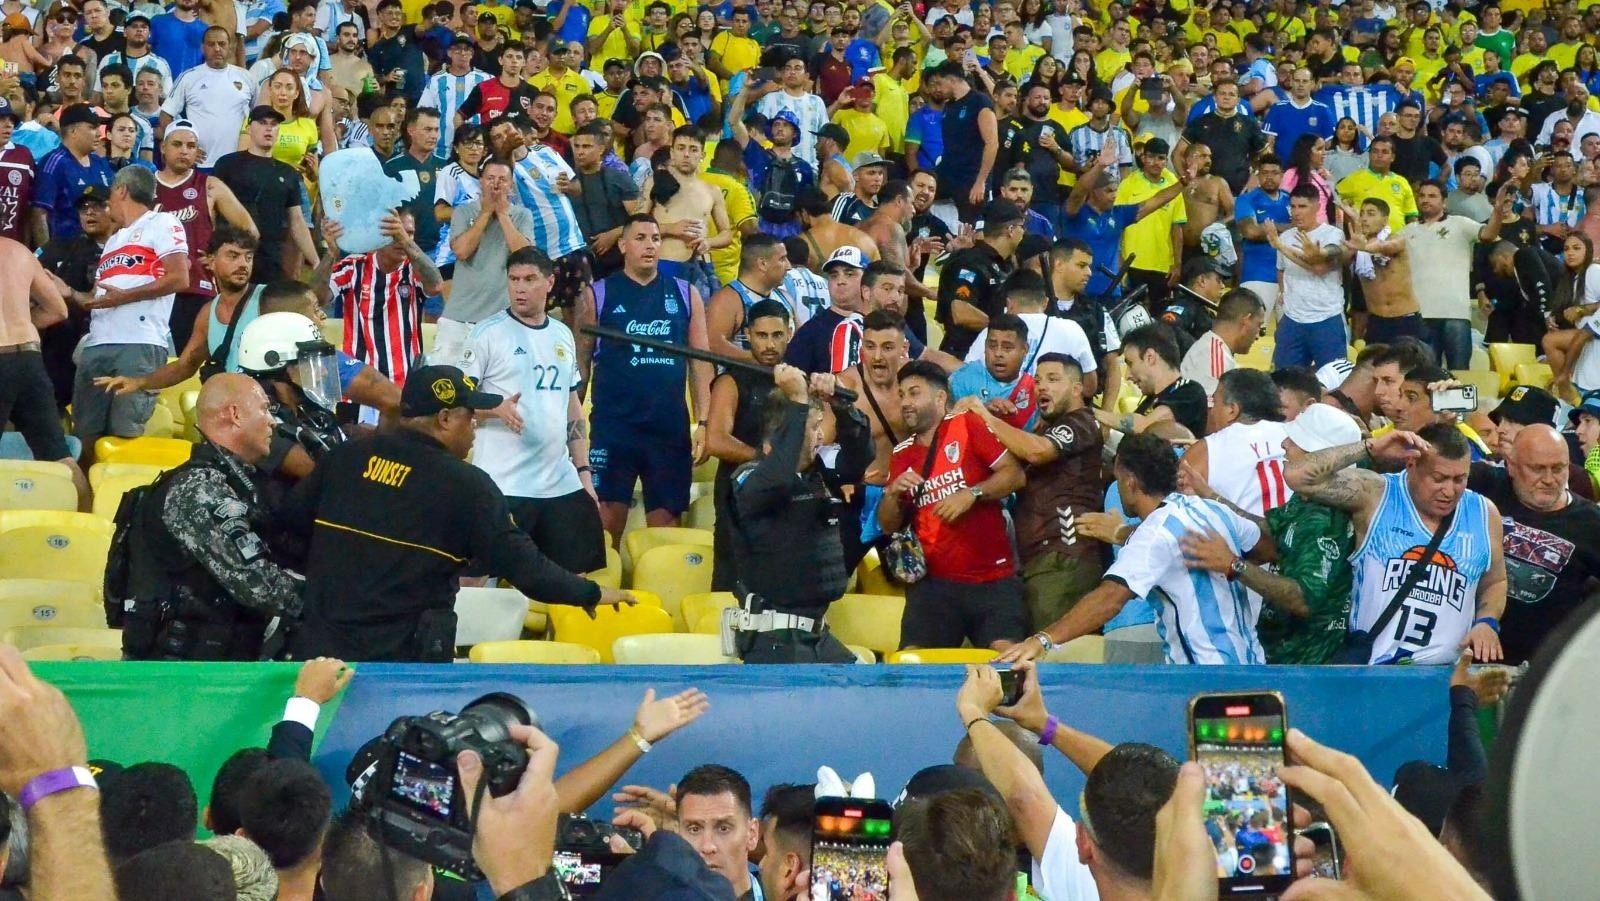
{"x": 1451, "y": 339}
{"x": 1310, "y": 343}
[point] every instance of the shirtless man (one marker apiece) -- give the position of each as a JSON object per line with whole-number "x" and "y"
{"x": 887, "y": 228}
{"x": 1384, "y": 267}
{"x": 1207, "y": 196}
{"x": 684, "y": 216}
{"x": 30, "y": 301}
{"x": 823, "y": 234}
{"x": 834, "y": 174}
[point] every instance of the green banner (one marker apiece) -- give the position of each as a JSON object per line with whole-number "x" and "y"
{"x": 191, "y": 715}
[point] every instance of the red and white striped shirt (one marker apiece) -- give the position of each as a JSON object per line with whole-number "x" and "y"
{"x": 382, "y": 313}
{"x": 1208, "y": 358}
{"x": 134, "y": 257}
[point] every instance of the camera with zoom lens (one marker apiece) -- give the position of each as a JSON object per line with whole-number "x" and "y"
{"x": 415, "y": 792}
{"x": 583, "y": 857}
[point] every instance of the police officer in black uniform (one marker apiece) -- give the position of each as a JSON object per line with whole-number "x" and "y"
{"x": 1191, "y": 310}
{"x": 200, "y": 583}
{"x": 788, "y": 557}
{"x": 392, "y": 521}
{"x": 970, "y": 282}
{"x": 298, "y": 369}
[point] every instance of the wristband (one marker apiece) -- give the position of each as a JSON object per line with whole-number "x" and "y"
{"x": 639, "y": 740}
{"x": 967, "y": 727}
{"x": 1490, "y": 621}
{"x": 46, "y": 784}
{"x": 1047, "y": 735}
{"x": 584, "y": 469}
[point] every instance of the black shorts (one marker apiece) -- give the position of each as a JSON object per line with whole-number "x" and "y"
{"x": 28, "y": 400}
{"x": 941, "y": 613}
{"x": 574, "y": 272}
{"x": 566, "y": 529}
{"x": 1389, "y": 329}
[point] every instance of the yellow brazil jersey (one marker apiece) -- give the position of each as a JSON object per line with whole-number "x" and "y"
{"x": 1294, "y": 26}
{"x": 1413, "y": 47}
{"x": 893, "y": 106}
{"x": 607, "y": 104}
{"x": 741, "y": 209}
{"x": 1243, "y": 28}
{"x": 1467, "y": 432}
{"x": 1520, "y": 6}
{"x": 504, "y": 16}
{"x": 1521, "y": 66}
{"x": 1150, "y": 240}
{"x": 634, "y": 14}
{"x": 565, "y": 87}
{"x": 1068, "y": 120}
{"x": 1563, "y": 54}
{"x": 868, "y": 131}
{"x": 1393, "y": 190}
{"x": 1426, "y": 69}
{"x": 1228, "y": 43}
{"x": 295, "y": 138}
{"x": 616, "y": 45}
{"x": 1108, "y": 62}
{"x": 737, "y": 53}
{"x": 1473, "y": 57}
{"x": 1020, "y": 62}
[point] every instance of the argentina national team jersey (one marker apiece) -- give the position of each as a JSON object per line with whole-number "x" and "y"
{"x": 555, "y": 223}
{"x": 540, "y": 363}
{"x": 1438, "y": 613}
{"x": 634, "y": 384}
{"x": 446, "y": 92}
{"x": 1201, "y": 616}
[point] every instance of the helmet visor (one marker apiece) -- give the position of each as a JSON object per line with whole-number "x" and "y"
{"x": 316, "y": 370}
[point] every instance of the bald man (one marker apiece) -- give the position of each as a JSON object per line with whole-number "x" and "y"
{"x": 202, "y": 584}
{"x": 1552, "y": 559}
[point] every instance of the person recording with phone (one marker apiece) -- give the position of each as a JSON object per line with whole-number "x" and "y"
{"x": 1425, "y": 397}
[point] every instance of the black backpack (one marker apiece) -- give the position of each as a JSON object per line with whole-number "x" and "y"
{"x": 778, "y": 190}
{"x": 118, "y": 585}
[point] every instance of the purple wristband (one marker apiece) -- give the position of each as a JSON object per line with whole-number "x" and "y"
{"x": 1048, "y": 733}
{"x": 46, "y": 784}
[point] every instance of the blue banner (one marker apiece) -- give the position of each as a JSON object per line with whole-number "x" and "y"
{"x": 779, "y": 723}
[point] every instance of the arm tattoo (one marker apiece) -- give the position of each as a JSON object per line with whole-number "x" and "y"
{"x": 426, "y": 272}
{"x": 1125, "y": 424}
{"x": 1327, "y": 477}
{"x": 577, "y": 429}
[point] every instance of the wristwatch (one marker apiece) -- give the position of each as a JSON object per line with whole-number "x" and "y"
{"x": 977, "y": 493}
{"x": 1236, "y": 568}
{"x": 1044, "y": 640}
{"x": 546, "y": 888}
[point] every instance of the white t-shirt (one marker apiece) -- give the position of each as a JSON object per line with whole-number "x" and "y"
{"x": 216, "y": 101}
{"x": 809, "y": 109}
{"x": 1046, "y": 335}
{"x": 133, "y": 257}
{"x": 1308, "y": 296}
{"x": 540, "y": 363}
{"x": 1586, "y": 372}
{"x": 1059, "y": 875}
{"x": 1207, "y": 359}
{"x": 1441, "y": 265}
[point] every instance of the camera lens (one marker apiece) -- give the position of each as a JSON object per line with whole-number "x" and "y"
{"x": 495, "y": 714}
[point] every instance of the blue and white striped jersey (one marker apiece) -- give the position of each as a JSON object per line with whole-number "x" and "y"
{"x": 445, "y": 93}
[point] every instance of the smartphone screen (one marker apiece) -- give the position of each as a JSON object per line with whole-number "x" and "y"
{"x": 849, "y": 848}
{"x": 427, "y": 787}
{"x": 1327, "y": 862}
{"x": 1238, "y": 740}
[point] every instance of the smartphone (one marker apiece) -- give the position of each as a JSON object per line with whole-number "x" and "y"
{"x": 1460, "y": 399}
{"x": 1238, "y": 739}
{"x": 850, "y": 840}
{"x": 1010, "y": 687}
{"x": 763, "y": 74}
{"x": 1151, "y": 89}
{"x": 1328, "y": 860}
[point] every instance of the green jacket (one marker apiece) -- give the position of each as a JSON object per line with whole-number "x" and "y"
{"x": 1314, "y": 546}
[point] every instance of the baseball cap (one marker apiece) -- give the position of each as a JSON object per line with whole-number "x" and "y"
{"x": 835, "y": 132}
{"x": 6, "y": 112}
{"x": 79, "y": 114}
{"x": 937, "y": 780}
{"x": 264, "y": 113}
{"x": 180, "y": 125}
{"x": 300, "y": 41}
{"x": 868, "y": 158}
{"x": 434, "y": 389}
{"x": 461, "y": 38}
{"x": 1404, "y": 61}
{"x": 92, "y": 194}
{"x": 19, "y": 22}
{"x": 1321, "y": 426}
{"x": 1074, "y": 77}
{"x": 1000, "y": 212}
{"x": 849, "y": 255}
{"x": 1590, "y": 405}
{"x": 1333, "y": 373}
{"x": 1527, "y": 405}
{"x": 865, "y": 82}
{"x": 136, "y": 18}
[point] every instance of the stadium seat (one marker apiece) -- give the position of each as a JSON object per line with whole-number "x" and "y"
{"x": 1488, "y": 385}
{"x": 532, "y": 652}
{"x": 489, "y": 614}
{"x": 77, "y": 609}
{"x": 36, "y": 485}
{"x": 108, "y": 494}
{"x": 670, "y": 650}
{"x": 636, "y": 542}
{"x": 60, "y": 592}
{"x": 572, "y": 624}
{"x": 1539, "y": 375}
{"x": 429, "y": 332}
{"x": 67, "y": 653}
{"x": 28, "y": 637}
{"x": 871, "y": 579}
{"x": 333, "y": 330}
{"x": 1503, "y": 358}
{"x": 943, "y": 655}
{"x": 863, "y": 655}
{"x": 1480, "y": 358}
{"x": 100, "y": 472}
{"x": 164, "y": 452}
{"x": 172, "y": 398}
{"x": 50, "y": 544}
{"x": 702, "y": 512}
{"x": 163, "y": 423}
{"x": 702, "y": 610}
{"x": 672, "y": 571}
{"x": 706, "y": 472}
{"x": 611, "y": 576}
{"x": 187, "y": 402}
{"x": 1083, "y": 649}
{"x": 869, "y": 620}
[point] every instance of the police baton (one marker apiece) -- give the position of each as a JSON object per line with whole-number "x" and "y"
{"x": 694, "y": 353}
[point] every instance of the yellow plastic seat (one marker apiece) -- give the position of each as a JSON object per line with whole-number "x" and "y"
{"x": 51, "y": 544}
{"x": 706, "y": 472}
{"x": 1480, "y": 358}
{"x": 59, "y": 592}
{"x": 29, "y": 637}
{"x": 636, "y": 542}
{"x": 164, "y": 452}
{"x": 430, "y": 331}
{"x": 671, "y": 650}
{"x": 30, "y": 611}
{"x": 100, "y": 472}
{"x": 702, "y": 610}
{"x": 869, "y": 620}
{"x": 702, "y": 512}
{"x": 943, "y": 655}
{"x": 187, "y": 401}
{"x": 532, "y": 652}
{"x": 1538, "y": 375}
{"x": 1083, "y": 649}
{"x": 572, "y": 624}
{"x": 611, "y": 576}
{"x": 171, "y": 397}
{"x": 162, "y": 423}
{"x": 1487, "y": 383}
{"x": 67, "y": 653}
{"x": 672, "y": 571}
{"x": 108, "y": 494}
{"x": 1504, "y": 359}
{"x": 37, "y": 485}
{"x": 871, "y": 579}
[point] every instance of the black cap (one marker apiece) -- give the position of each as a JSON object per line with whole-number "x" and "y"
{"x": 834, "y": 131}
{"x": 1073, "y": 76}
{"x": 462, "y": 38}
{"x": 264, "y": 113}
{"x": 936, "y": 780}
{"x": 91, "y": 194}
{"x": 434, "y": 389}
{"x": 136, "y": 17}
{"x": 1032, "y": 245}
{"x": 1527, "y": 405}
{"x": 1426, "y": 792}
{"x": 79, "y": 114}
{"x": 1000, "y": 212}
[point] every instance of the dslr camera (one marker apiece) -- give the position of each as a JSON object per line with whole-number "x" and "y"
{"x": 583, "y": 857}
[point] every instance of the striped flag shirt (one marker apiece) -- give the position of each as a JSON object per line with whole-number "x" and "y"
{"x": 1085, "y": 143}
{"x": 1550, "y": 208}
{"x": 844, "y": 350}
{"x": 446, "y": 92}
{"x": 555, "y": 223}
{"x": 382, "y": 313}
{"x": 1363, "y": 104}
{"x": 1201, "y": 616}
